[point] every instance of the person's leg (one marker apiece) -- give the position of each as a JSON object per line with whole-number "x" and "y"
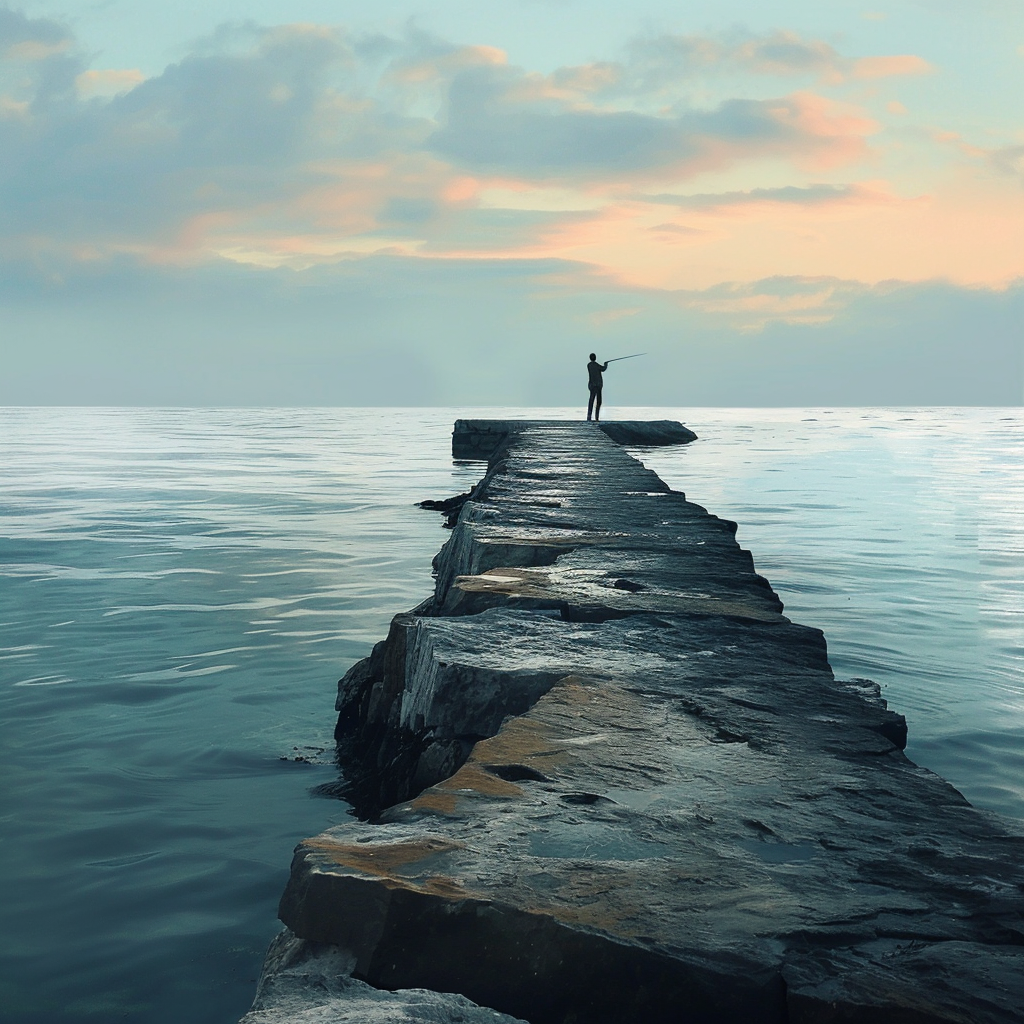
{"x": 597, "y": 404}
{"x": 590, "y": 404}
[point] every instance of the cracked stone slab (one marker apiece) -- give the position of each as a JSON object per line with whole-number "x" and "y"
{"x": 571, "y": 501}
{"x": 610, "y": 833}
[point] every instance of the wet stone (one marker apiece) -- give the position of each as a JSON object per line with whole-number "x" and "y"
{"x": 615, "y": 783}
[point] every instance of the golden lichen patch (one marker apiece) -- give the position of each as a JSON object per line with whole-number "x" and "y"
{"x": 602, "y": 916}
{"x": 471, "y": 776}
{"x": 443, "y": 798}
{"x": 591, "y": 898}
{"x": 521, "y": 740}
{"x": 528, "y": 739}
{"x": 436, "y": 801}
{"x": 445, "y": 888}
{"x": 382, "y": 859}
{"x": 577, "y": 690}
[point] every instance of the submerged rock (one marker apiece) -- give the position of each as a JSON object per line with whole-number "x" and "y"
{"x": 612, "y": 782}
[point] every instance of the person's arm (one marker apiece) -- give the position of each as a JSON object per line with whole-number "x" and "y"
{"x": 605, "y": 367}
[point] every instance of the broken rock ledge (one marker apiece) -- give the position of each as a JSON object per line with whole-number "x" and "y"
{"x": 609, "y": 781}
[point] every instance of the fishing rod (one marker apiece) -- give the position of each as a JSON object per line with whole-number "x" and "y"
{"x": 618, "y": 359}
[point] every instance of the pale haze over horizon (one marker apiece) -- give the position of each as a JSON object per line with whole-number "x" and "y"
{"x": 453, "y": 203}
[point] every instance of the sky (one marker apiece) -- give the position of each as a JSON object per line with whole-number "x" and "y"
{"x": 454, "y": 203}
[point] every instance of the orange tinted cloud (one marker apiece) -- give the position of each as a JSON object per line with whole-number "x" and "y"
{"x": 966, "y": 232}
{"x": 749, "y": 307}
{"x": 108, "y": 82}
{"x": 839, "y": 129}
{"x": 886, "y": 67}
{"x": 786, "y": 53}
{"x": 450, "y": 151}
{"x": 962, "y": 234}
{"x": 438, "y": 66}
{"x": 657, "y": 64}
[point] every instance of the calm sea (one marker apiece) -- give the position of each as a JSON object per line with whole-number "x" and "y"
{"x": 180, "y": 590}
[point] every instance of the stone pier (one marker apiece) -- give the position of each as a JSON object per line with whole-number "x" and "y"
{"x": 607, "y": 780}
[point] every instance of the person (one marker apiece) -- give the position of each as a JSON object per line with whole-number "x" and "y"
{"x": 595, "y": 369}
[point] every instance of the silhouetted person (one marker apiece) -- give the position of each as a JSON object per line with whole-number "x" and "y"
{"x": 596, "y": 371}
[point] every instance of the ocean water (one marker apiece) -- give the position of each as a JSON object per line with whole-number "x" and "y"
{"x": 180, "y": 590}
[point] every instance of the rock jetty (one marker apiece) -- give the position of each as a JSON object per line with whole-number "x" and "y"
{"x": 606, "y": 780}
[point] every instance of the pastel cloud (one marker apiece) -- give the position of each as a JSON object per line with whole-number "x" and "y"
{"x": 743, "y": 203}
{"x": 31, "y": 39}
{"x": 301, "y": 137}
{"x": 890, "y": 67}
{"x": 441, "y": 60}
{"x": 37, "y": 67}
{"x": 108, "y": 82}
{"x": 1009, "y": 160}
{"x": 301, "y": 145}
{"x": 660, "y": 63}
{"x": 785, "y": 53}
{"x": 791, "y": 300}
{"x": 806, "y": 195}
{"x": 860, "y": 231}
{"x": 490, "y": 127}
{"x": 214, "y": 134}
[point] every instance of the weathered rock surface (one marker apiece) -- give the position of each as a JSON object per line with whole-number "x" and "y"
{"x": 564, "y": 524}
{"x": 626, "y": 787}
{"x": 480, "y": 439}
